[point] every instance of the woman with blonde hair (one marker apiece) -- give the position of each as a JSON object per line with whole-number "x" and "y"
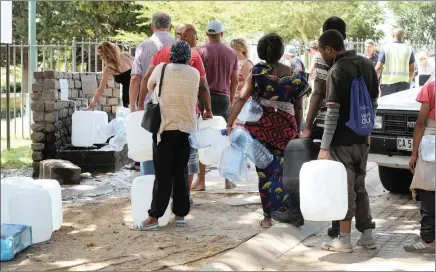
{"x": 117, "y": 65}
{"x": 244, "y": 64}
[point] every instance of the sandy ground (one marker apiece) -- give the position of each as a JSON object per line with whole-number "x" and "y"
{"x": 95, "y": 235}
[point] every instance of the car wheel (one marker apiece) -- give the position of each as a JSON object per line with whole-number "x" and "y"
{"x": 395, "y": 180}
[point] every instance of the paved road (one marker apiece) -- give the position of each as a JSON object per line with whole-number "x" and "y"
{"x": 397, "y": 222}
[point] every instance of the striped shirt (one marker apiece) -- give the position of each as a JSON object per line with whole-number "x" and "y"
{"x": 319, "y": 84}
{"x": 147, "y": 49}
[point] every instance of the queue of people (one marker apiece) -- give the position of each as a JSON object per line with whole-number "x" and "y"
{"x": 216, "y": 79}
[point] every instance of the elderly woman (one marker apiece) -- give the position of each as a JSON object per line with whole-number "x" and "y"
{"x": 279, "y": 89}
{"x": 171, "y": 147}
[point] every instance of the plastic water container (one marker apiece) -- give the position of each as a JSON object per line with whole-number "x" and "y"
{"x": 139, "y": 140}
{"x": 14, "y": 238}
{"x": 101, "y": 124}
{"x": 32, "y": 207}
{"x": 142, "y": 195}
{"x": 211, "y": 155}
{"x": 427, "y": 148}
{"x": 114, "y": 126}
{"x": 259, "y": 154}
{"x": 233, "y": 165}
{"x": 240, "y": 138}
{"x": 323, "y": 190}
{"x": 83, "y": 129}
{"x": 206, "y": 137}
{"x": 216, "y": 122}
{"x": 297, "y": 152}
{"x": 54, "y": 189}
{"x": 9, "y": 188}
{"x": 122, "y": 112}
{"x": 251, "y": 112}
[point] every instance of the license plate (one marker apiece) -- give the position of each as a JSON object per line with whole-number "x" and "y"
{"x": 405, "y": 144}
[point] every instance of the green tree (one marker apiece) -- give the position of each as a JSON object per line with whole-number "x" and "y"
{"x": 417, "y": 18}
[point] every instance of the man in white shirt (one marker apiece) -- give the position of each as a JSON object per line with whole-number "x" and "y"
{"x": 161, "y": 26}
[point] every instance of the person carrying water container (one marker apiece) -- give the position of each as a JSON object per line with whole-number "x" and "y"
{"x": 171, "y": 149}
{"x": 352, "y": 92}
{"x": 422, "y": 164}
{"x": 279, "y": 89}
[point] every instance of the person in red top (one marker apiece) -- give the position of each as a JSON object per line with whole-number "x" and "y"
{"x": 188, "y": 33}
{"x": 422, "y": 166}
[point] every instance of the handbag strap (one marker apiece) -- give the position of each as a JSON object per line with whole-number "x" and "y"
{"x": 162, "y": 77}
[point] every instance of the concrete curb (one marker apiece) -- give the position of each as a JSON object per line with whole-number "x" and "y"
{"x": 265, "y": 248}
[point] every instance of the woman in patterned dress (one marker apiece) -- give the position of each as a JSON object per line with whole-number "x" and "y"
{"x": 279, "y": 90}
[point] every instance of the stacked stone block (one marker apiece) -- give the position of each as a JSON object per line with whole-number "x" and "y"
{"x": 52, "y": 124}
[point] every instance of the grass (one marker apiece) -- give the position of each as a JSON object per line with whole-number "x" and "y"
{"x": 19, "y": 156}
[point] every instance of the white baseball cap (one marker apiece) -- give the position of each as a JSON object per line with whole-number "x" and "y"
{"x": 214, "y": 27}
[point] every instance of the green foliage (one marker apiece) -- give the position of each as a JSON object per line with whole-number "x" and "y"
{"x": 417, "y": 18}
{"x": 19, "y": 156}
{"x": 11, "y": 87}
{"x": 63, "y": 20}
{"x": 299, "y": 21}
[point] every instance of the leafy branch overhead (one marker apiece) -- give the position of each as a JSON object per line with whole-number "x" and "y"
{"x": 301, "y": 21}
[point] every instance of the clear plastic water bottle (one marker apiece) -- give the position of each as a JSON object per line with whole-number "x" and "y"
{"x": 259, "y": 155}
{"x": 240, "y": 138}
{"x": 205, "y": 137}
{"x": 233, "y": 165}
{"x": 251, "y": 112}
{"x": 427, "y": 148}
{"x": 115, "y": 126}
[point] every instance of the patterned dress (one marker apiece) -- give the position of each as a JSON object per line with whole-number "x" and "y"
{"x": 274, "y": 130}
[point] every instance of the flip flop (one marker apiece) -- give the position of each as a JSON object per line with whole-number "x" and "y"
{"x": 263, "y": 226}
{"x": 142, "y": 227}
{"x": 230, "y": 186}
{"x": 180, "y": 221}
{"x": 198, "y": 189}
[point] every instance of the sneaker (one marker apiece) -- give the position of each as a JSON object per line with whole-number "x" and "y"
{"x": 337, "y": 245}
{"x": 418, "y": 245}
{"x": 288, "y": 217}
{"x": 366, "y": 240}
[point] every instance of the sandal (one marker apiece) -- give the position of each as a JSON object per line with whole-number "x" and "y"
{"x": 230, "y": 186}
{"x": 142, "y": 227}
{"x": 180, "y": 221}
{"x": 198, "y": 189}
{"x": 263, "y": 221}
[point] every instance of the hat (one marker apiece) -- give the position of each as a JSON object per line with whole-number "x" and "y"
{"x": 214, "y": 27}
{"x": 312, "y": 45}
{"x": 291, "y": 50}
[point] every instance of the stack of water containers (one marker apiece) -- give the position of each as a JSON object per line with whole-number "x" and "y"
{"x": 34, "y": 203}
{"x": 231, "y": 152}
{"x": 140, "y": 144}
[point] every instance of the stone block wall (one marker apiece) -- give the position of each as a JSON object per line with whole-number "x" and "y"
{"x": 51, "y": 126}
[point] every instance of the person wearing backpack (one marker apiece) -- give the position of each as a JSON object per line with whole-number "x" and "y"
{"x": 352, "y": 92}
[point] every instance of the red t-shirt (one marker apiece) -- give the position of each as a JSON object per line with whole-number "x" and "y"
{"x": 426, "y": 95}
{"x": 196, "y": 61}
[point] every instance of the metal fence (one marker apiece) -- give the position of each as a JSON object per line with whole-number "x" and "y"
{"x": 80, "y": 56}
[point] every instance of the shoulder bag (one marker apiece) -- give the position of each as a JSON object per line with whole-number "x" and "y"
{"x": 152, "y": 117}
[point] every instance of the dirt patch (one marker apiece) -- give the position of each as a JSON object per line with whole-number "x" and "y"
{"x": 95, "y": 236}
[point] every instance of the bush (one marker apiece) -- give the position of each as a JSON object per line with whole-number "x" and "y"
{"x": 11, "y": 84}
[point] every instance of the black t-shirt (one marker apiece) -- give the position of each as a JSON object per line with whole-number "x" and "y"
{"x": 338, "y": 86}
